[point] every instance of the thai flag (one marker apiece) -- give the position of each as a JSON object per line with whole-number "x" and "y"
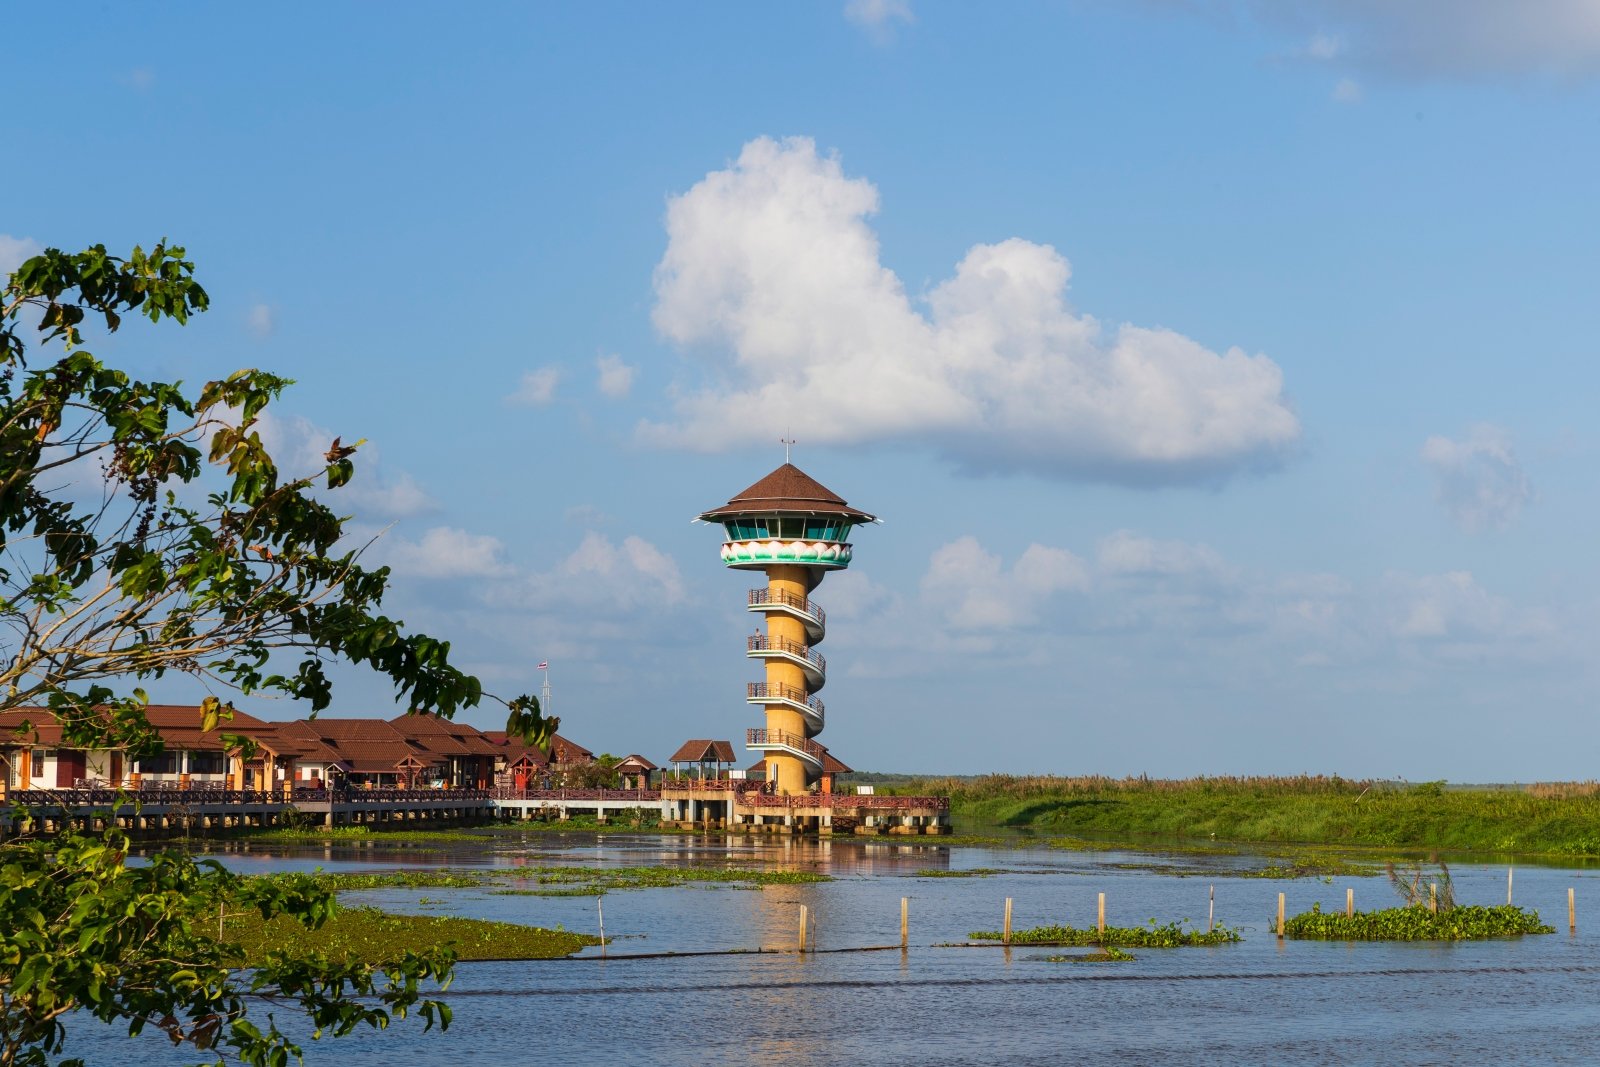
{"x": 543, "y": 667}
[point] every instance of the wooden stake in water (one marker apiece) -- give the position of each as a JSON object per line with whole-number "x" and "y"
{"x": 802, "y": 928}
{"x": 601, "y": 908}
{"x": 1005, "y": 934}
{"x": 1211, "y": 909}
{"x": 1280, "y": 916}
{"x": 1572, "y": 911}
{"x": 1433, "y": 897}
{"x": 1509, "y": 872}
{"x": 905, "y": 920}
{"x": 1100, "y": 923}
{"x": 1350, "y": 903}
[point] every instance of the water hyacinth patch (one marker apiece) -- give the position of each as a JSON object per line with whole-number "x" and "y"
{"x": 1414, "y": 923}
{"x": 1156, "y": 935}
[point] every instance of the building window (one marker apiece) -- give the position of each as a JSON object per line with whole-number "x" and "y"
{"x": 37, "y": 762}
{"x": 166, "y": 763}
{"x": 206, "y": 763}
{"x": 746, "y": 529}
{"x": 827, "y": 530}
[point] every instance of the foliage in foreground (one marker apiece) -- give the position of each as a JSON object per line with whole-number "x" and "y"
{"x": 138, "y": 945}
{"x": 1411, "y": 923}
{"x": 145, "y": 528}
{"x": 1156, "y": 935}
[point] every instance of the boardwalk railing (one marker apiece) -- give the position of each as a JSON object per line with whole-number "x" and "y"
{"x": 708, "y": 785}
{"x": 847, "y": 800}
{"x": 105, "y": 798}
{"x": 77, "y": 798}
{"x": 393, "y": 796}
{"x": 612, "y": 796}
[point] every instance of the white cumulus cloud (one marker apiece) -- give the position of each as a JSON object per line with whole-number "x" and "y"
{"x": 878, "y": 17}
{"x": 615, "y": 377}
{"x": 975, "y": 591}
{"x": 261, "y": 320}
{"x": 537, "y": 388}
{"x": 1478, "y": 480}
{"x": 299, "y": 445}
{"x": 602, "y": 577}
{"x": 773, "y": 272}
{"x": 446, "y": 552}
{"x": 1128, "y": 553}
{"x": 14, "y": 250}
{"x": 1454, "y": 606}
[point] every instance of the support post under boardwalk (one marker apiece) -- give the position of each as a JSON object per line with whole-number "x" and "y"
{"x": 905, "y": 920}
{"x": 1509, "y": 872}
{"x": 1572, "y": 910}
{"x": 802, "y": 928}
{"x": 1350, "y": 903}
{"x": 1280, "y": 916}
{"x": 1100, "y": 922}
{"x": 1005, "y": 934}
{"x": 1433, "y": 897}
{"x": 1211, "y": 909}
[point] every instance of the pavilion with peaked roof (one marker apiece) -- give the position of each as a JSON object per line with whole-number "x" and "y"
{"x": 703, "y": 756}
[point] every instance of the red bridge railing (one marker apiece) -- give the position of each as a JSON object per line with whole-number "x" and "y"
{"x": 642, "y": 796}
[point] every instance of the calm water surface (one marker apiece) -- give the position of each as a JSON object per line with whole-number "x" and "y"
{"x": 1531, "y": 1000}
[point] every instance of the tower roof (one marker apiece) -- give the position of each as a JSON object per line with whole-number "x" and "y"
{"x": 787, "y": 490}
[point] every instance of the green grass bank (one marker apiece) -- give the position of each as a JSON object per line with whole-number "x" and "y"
{"x": 369, "y": 935}
{"x": 1532, "y": 820}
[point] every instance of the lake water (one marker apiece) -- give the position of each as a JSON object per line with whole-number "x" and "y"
{"x": 1528, "y": 1000}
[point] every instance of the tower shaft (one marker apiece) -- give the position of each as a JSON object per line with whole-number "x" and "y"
{"x": 786, "y": 585}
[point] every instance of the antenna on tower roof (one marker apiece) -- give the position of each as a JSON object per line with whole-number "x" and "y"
{"x": 787, "y": 442}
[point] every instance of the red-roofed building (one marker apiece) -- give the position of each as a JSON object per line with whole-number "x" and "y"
{"x": 633, "y": 771}
{"x": 407, "y": 750}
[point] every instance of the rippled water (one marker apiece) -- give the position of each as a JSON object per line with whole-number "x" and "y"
{"x": 1530, "y": 1000}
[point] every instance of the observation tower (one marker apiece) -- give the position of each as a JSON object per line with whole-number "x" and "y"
{"x": 794, "y": 529}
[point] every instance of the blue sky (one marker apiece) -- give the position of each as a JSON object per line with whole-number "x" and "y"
{"x": 1223, "y": 370}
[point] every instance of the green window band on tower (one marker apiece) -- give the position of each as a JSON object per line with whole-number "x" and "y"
{"x": 788, "y": 528}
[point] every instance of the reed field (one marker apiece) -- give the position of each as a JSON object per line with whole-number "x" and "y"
{"x": 1545, "y": 818}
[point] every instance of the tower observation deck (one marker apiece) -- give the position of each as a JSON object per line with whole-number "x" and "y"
{"x": 795, "y": 530}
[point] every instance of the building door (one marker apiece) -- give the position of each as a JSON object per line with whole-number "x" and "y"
{"x": 71, "y": 765}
